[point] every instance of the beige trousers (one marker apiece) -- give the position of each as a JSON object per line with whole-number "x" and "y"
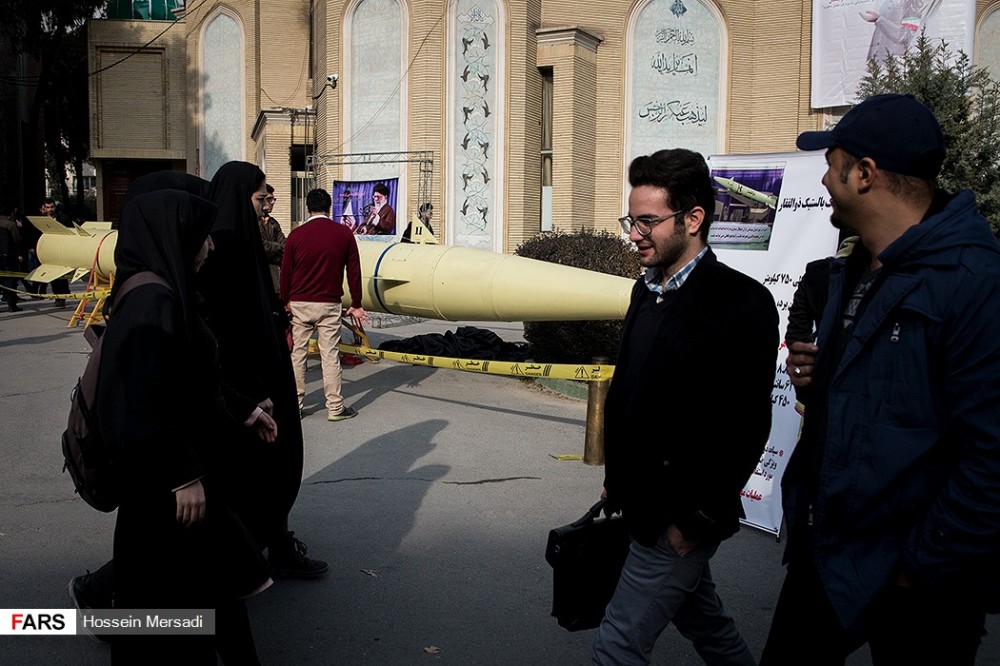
{"x": 324, "y": 318}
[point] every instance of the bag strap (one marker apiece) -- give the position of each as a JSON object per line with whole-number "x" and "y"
{"x": 141, "y": 278}
{"x": 94, "y": 332}
{"x": 592, "y": 514}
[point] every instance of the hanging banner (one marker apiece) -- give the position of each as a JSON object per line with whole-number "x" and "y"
{"x": 368, "y": 207}
{"x": 847, "y": 33}
{"x": 772, "y": 217}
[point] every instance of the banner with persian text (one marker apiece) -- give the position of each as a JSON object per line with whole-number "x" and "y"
{"x": 772, "y": 217}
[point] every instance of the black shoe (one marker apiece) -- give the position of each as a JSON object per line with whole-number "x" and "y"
{"x": 81, "y": 594}
{"x": 289, "y": 561}
{"x": 343, "y": 415}
{"x": 60, "y": 303}
{"x": 14, "y": 308}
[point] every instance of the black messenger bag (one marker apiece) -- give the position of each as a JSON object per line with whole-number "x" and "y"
{"x": 587, "y": 557}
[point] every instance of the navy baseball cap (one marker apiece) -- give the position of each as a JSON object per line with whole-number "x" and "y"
{"x": 897, "y": 131}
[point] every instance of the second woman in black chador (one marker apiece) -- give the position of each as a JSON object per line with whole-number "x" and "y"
{"x": 255, "y": 362}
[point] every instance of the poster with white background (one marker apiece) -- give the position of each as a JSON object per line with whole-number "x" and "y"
{"x": 772, "y": 217}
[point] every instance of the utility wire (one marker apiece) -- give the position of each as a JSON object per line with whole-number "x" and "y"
{"x": 149, "y": 43}
{"x": 399, "y": 83}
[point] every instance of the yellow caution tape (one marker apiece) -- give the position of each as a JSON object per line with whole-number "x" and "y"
{"x": 76, "y": 295}
{"x": 567, "y": 456}
{"x": 583, "y": 373}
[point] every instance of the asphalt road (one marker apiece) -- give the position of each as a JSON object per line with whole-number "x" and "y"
{"x": 432, "y": 508}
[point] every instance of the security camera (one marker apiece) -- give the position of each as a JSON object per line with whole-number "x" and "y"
{"x": 332, "y": 78}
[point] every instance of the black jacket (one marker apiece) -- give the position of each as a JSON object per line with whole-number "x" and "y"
{"x": 681, "y": 442}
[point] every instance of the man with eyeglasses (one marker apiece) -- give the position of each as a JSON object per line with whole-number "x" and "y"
{"x": 273, "y": 238}
{"x": 686, "y": 418}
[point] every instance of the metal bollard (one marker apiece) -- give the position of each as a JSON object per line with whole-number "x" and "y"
{"x": 593, "y": 450}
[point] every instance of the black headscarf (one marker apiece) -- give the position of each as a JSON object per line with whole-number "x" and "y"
{"x": 162, "y": 232}
{"x": 165, "y": 180}
{"x": 237, "y": 285}
{"x": 168, "y": 180}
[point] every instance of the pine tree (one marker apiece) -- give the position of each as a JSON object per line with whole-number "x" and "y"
{"x": 966, "y": 101}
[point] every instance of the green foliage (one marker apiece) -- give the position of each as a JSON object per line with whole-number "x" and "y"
{"x": 579, "y": 341}
{"x": 55, "y": 119}
{"x": 966, "y": 101}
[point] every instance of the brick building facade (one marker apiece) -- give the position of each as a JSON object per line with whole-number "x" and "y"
{"x": 532, "y": 110}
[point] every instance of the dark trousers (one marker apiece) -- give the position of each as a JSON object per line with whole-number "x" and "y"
{"x": 60, "y": 287}
{"x": 9, "y": 264}
{"x": 908, "y": 626}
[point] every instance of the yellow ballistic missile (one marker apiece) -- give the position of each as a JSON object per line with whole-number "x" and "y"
{"x": 465, "y": 284}
{"x": 746, "y": 192}
{"x": 64, "y": 250}
{"x": 422, "y": 280}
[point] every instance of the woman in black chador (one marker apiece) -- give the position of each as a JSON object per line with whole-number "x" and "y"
{"x": 255, "y": 362}
{"x": 177, "y": 544}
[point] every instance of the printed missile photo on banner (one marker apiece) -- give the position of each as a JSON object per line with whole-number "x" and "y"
{"x": 746, "y": 200}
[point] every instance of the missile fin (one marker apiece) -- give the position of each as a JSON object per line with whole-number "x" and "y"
{"x": 48, "y": 225}
{"x": 48, "y": 272}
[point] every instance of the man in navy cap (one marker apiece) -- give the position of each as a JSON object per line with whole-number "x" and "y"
{"x": 892, "y": 497}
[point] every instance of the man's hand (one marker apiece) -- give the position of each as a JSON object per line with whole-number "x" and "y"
{"x": 800, "y": 363}
{"x": 902, "y": 580}
{"x": 610, "y": 508}
{"x": 681, "y": 545}
{"x": 190, "y": 504}
{"x": 266, "y": 427}
{"x": 359, "y": 314}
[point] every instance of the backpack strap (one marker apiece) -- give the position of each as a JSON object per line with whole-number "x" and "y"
{"x": 94, "y": 332}
{"x": 141, "y": 278}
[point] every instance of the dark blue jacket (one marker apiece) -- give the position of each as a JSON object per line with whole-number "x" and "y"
{"x": 909, "y": 475}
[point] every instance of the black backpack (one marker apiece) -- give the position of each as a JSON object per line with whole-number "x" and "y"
{"x": 87, "y": 459}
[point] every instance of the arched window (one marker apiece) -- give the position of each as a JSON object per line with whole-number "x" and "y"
{"x": 375, "y": 116}
{"x": 476, "y": 39}
{"x": 676, "y": 55}
{"x": 222, "y": 93}
{"x": 988, "y": 41}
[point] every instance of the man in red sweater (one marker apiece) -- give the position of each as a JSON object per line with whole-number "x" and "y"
{"x": 317, "y": 253}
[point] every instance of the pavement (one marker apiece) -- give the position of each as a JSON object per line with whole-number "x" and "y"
{"x": 432, "y": 507}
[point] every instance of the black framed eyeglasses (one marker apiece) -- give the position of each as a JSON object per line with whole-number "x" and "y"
{"x": 644, "y": 225}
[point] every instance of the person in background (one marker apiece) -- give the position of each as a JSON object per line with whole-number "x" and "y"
{"x": 318, "y": 254}
{"x": 12, "y": 255}
{"x": 59, "y": 287}
{"x": 425, "y": 212}
{"x": 274, "y": 240}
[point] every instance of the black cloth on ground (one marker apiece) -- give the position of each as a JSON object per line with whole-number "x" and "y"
{"x": 464, "y": 342}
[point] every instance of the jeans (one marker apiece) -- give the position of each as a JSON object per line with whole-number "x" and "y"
{"x": 659, "y": 586}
